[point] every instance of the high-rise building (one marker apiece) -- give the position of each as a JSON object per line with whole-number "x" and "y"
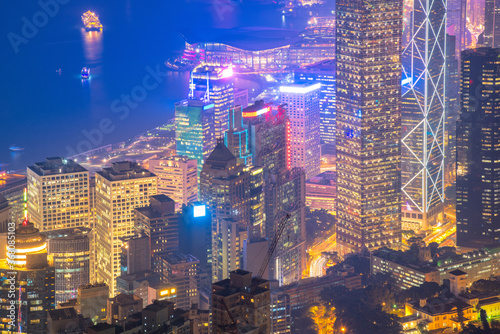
{"x": 491, "y": 34}
{"x": 160, "y": 223}
{"x": 324, "y": 73}
{"x": 241, "y": 97}
{"x": 457, "y": 23}
{"x": 214, "y": 84}
{"x": 302, "y": 100}
{"x": 281, "y": 313}
{"x": 177, "y": 178}
{"x": 228, "y": 257}
{"x": 135, "y": 254}
{"x": 423, "y": 110}
{"x": 452, "y": 114}
{"x": 181, "y": 270}
{"x": 59, "y": 194}
{"x": 195, "y": 132}
{"x": 268, "y": 136}
{"x": 92, "y": 301}
{"x": 12, "y": 188}
{"x": 225, "y": 189}
{"x": 121, "y": 307}
{"x": 236, "y": 137}
{"x": 195, "y": 235}
{"x": 119, "y": 190}
{"x": 368, "y": 124}
{"x": 246, "y": 298}
{"x": 478, "y": 138}
{"x": 285, "y": 192}
{"x": 70, "y": 251}
{"x": 24, "y": 307}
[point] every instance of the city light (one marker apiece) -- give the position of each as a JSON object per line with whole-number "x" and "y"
{"x": 300, "y": 89}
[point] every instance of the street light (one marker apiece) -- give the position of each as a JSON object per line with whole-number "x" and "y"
{"x": 343, "y": 329}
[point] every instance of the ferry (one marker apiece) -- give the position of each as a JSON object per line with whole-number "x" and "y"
{"x": 91, "y": 21}
{"x": 14, "y": 148}
{"x": 85, "y": 73}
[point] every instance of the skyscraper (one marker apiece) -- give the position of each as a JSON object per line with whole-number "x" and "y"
{"x": 324, "y": 73}
{"x": 119, "y": 190}
{"x": 70, "y": 251}
{"x": 225, "y": 189}
{"x": 478, "y": 138}
{"x": 457, "y": 23}
{"x": 236, "y": 137}
{"x": 285, "y": 192}
{"x": 59, "y": 194}
{"x": 195, "y": 235}
{"x": 268, "y": 137}
{"x": 368, "y": 124}
{"x": 160, "y": 223}
{"x": 177, "y": 178}
{"x": 181, "y": 270}
{"x": 33, "y": 281}
{"x": 195, "y": 132}
{"x": 491, "y": 34}
{"x": 215, "y": 85}
{"x": 423, "y": 110}
{"x": 302, "y": 102}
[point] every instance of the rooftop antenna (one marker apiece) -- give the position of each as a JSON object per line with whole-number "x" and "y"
{"x": 206, "y": 98}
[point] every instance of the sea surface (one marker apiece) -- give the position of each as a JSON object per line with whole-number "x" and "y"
{"x": 51, "y": 113}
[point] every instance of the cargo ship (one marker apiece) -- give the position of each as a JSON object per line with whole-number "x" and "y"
{"x": 91, "y": 21}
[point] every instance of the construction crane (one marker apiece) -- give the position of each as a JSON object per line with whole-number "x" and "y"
{"x": 233, "y": 326}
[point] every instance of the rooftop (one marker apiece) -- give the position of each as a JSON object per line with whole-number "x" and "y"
{"x": 64, "y": 313}
{"x": 178, "y": 258}
{"x": 56, "y": 165}
{"x": 247, "y": 38}
{"x": 124, "y": 170}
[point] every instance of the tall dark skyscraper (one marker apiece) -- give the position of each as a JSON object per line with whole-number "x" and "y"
{"x": 368, "y": 123}
{"x": 423, "y": 111}
{"x": 478, "y": 149}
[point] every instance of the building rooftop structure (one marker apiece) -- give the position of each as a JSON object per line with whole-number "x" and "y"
{"x": 177, "y": 258}
{"x": 124, "y": 170}
{"x": 56, "y": 165}
{"x": 247, "y": 38}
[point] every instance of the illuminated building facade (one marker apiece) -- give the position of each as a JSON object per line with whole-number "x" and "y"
{"x": 12, "y": 188}
{"x": 225, "y": 189}
{"x": 457, "y": 23}
{"x": 323, "y": 73}
{"x": 285, "y": 193}
{"x": 228, "y": 256}
{"x": 92, "y": 301}
{"x": 34, "y": 290}
{"x": 368, "y": 124}
{"x": 216, "y": 85}
{"x": 281, "y": 313}
{"x": 181, "y": 270}
{"x": 423, "y": 110}
{"x": 478, "y": 138}
{"x": 321, "y": 192}
{"x": 70, "y": 250}
{"x": 119, "y": 190}
{"x": 195, "y": 132}
{"x": 491, "y": 34}
{"x": 302, "y": 102}
{"x": 268, "y": 139}
{"x": 59, "y": 194}
{"x": 236, "y": 137}
{"x": 177, "y": 178}
{"x": 160, "y": 223}
{"x": 263, "y": 48}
